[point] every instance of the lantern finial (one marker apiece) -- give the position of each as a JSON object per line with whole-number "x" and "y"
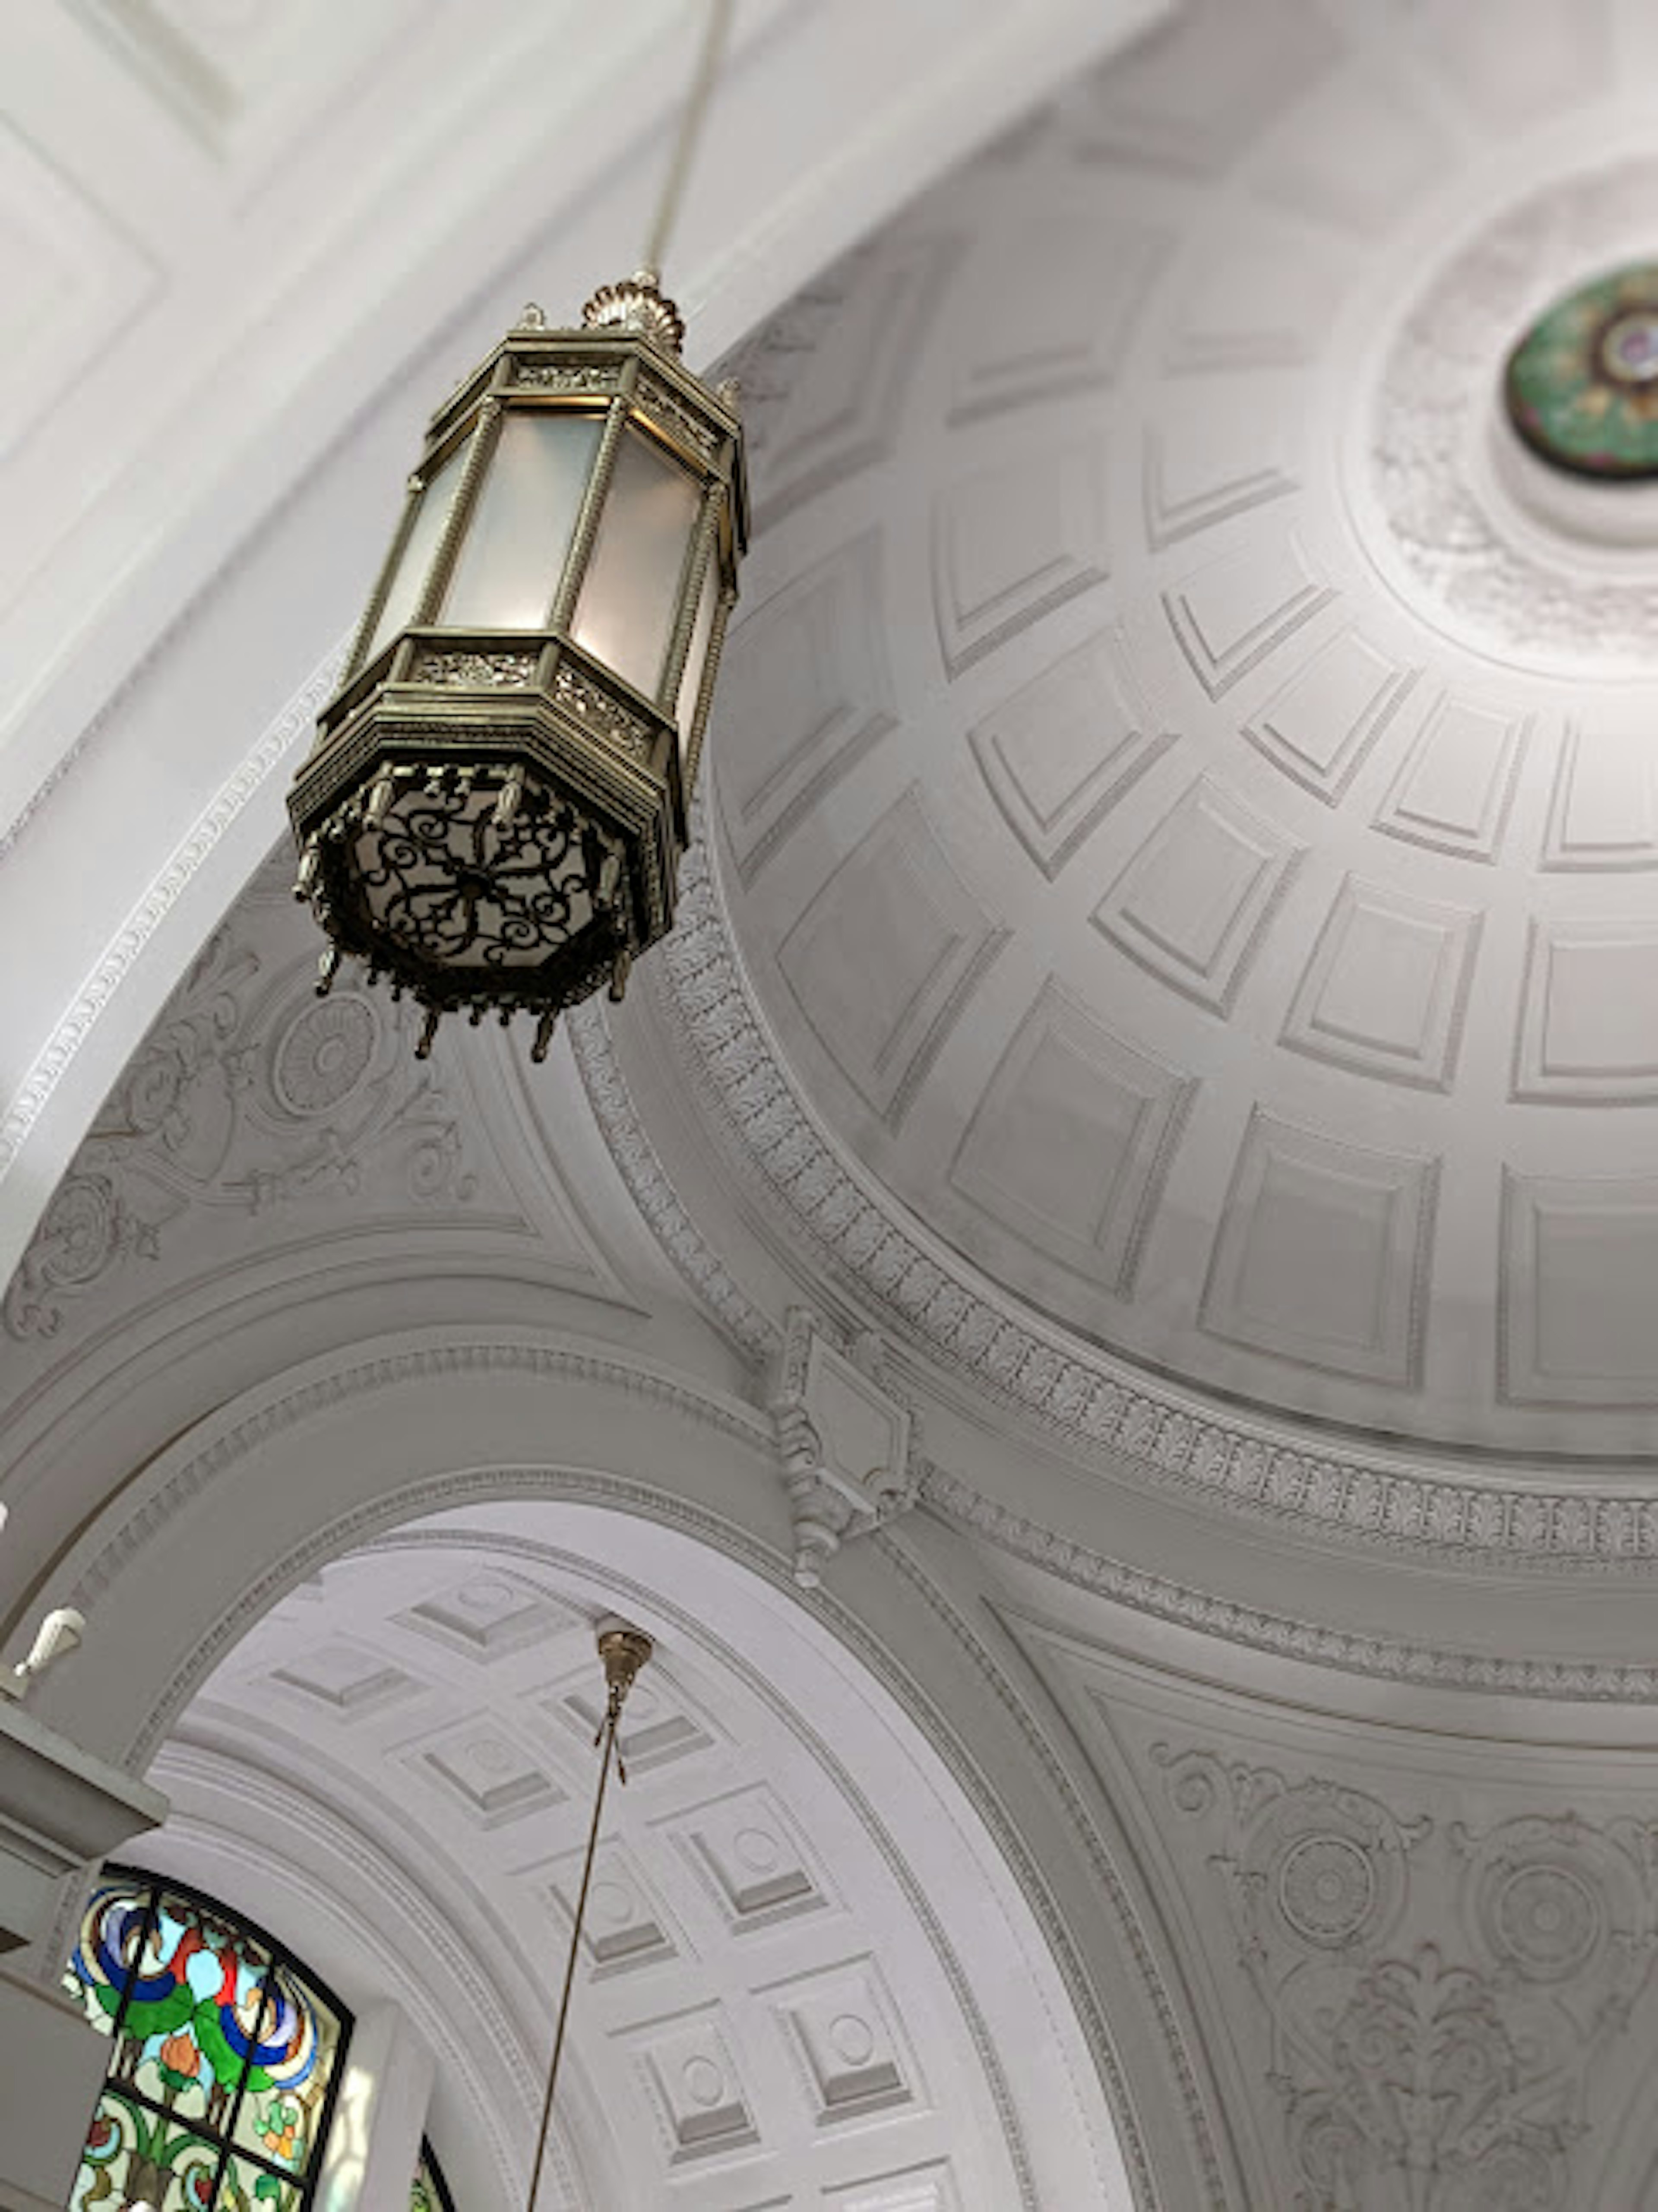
{"x": 637, "y": 303}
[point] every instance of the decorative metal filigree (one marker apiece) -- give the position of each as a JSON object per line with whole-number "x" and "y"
{"x": 477, "y": 671}
{"x": 600, "y": 377}
{"x": 445, "y": 876}
{"x": 601, "y": 710}
{"x": 676, "y": 417}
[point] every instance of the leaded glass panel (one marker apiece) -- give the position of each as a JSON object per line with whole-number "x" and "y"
{"x": 225, "y": 2056}
{"x": 431, "y": 2191}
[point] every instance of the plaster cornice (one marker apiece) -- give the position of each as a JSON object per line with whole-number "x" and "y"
{"x": 1097, "y": 1407}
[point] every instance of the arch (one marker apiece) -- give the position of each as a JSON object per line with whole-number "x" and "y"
{"x": 351, "y": 1448}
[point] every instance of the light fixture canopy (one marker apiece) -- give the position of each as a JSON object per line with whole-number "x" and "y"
{"x": 493, "y": 810}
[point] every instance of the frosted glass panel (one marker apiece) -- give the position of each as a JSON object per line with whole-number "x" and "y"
{"x": 691, "y": 683}
{"x": 417, "y": 551}
{"x": 626, "y": 610}
{"x": 509, "y": 571}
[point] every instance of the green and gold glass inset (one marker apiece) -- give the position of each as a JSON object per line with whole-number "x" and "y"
{"x": 1581, "y": 386}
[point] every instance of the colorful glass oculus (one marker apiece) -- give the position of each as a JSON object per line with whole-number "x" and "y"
{"x": 1581, "y": 386}
{"x": 227, "y": 2055}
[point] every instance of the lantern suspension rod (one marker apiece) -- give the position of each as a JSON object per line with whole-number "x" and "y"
{"x": 624, "y": 1651}
{"x": 697, "y": 102}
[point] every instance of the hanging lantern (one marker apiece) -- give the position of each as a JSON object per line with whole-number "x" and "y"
{"x": 493, "y": 810}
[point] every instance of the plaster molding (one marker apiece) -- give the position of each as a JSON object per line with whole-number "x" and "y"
{"x": 898, "y": 1686}
{"x": 1441, "y": 2000}
{"x": 285, "y": 1409}
{"x": 380, "y": 1518}
{"x": 1457, "y": 533}
{"x": 121, "y": 953}
{"x": 834, "y": 1407}
{"x": 248, "y": 1095}
{"x": 196, "y": 1769}
{"x": 1094, "y": 1404}
{"x": 1285, "y": 1636}
{"x": 1194, "y": 2107}
{"x": 651, "y": 1191}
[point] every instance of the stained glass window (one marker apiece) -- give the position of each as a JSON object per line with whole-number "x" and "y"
{"x": 227, "y": 2055}
{"x": 431, "y": 2191}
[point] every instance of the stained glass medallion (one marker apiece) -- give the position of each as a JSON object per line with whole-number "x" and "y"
{"x": 225, "y": 2056}
{"x": 1581, "y": 384}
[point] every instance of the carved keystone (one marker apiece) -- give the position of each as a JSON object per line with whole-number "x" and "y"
{"x": 844, "y": 1440}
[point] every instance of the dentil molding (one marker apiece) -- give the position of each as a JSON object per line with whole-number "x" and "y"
{"x": 1095, "y": 1406}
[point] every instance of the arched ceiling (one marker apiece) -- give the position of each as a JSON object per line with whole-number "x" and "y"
{"x": 1185, "y": 789}
{"x": 781, "y": 1991}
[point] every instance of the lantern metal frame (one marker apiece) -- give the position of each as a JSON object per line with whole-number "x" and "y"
{"x": 579, "y": 761}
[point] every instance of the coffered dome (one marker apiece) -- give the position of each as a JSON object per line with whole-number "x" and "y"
{"x": 1185, "y": 795}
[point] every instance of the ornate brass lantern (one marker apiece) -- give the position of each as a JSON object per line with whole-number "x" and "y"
{"x": 493, "y": 810}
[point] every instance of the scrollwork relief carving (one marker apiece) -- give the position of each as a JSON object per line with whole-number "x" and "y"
{"x": 1439, "y": 1999}
{"x": 249, "y": 1094}
{"x": 845, "y": 1440}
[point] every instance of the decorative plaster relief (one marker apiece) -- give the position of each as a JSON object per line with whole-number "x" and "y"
{"x": 1441, "y": 2000}
{"x": 1060, "y": 753}
{"x": 810, "y": 667}
{"x": 842, "y": 2028}
{"x": 1604, "y": 811}
{"x": 660, "y": 1204}
{"x": 1387, "y": 988}
{"x": 1456, "y": 785}
{"x": 1321, "y": 723}
{"x": 1094, "y": 1404}
{"x": 748, "y": 1859}
{"x": 1194, "y": 903}
{"x": 1069, "y": 1145}
{"x": 626, "y": 1928}
{"x": 664, "y": 1723}
{"x": 686, "y": 2066}
{"x": 847, "y": 1443}
{"x": 249, "y": 1094}
{"x": 1426, "y": 460}
{"x": 1322, "y": 1255}
{"x": 887, "y": 954}
{"x": 1203, "y": 464}
{"x": 823, "y": 380}
{"x": 1589, "y": 1026}
{"x": 347, "y": 1682}
{"x": 1582, "y": 1263}
{"x": 929, "y": 2188}
{"x": 483, "y": 1618}
{"x": 1234, "y": 612}
{"x": 481, "y": 1771}
{"x": 1013, "y": 542}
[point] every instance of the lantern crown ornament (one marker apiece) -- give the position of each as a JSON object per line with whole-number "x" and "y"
{"x": 493, "y": 813}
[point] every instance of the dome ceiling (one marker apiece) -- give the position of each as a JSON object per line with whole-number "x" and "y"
{"x": 1185, "y": 800}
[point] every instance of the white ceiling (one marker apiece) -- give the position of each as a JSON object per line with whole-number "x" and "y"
{"x": 1185, "y": 785}
{"x": 248, "y": 248}
{"x": 787, "y": 1997}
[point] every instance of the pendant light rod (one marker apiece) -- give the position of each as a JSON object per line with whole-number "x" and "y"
{"x": 624, "y": 1651}
{"x": 690, "y": 127}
